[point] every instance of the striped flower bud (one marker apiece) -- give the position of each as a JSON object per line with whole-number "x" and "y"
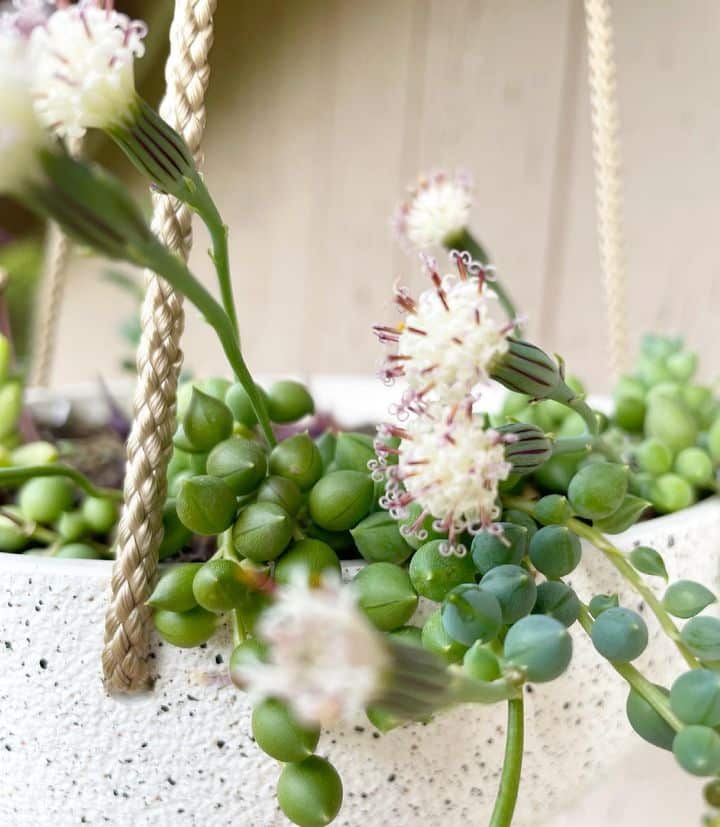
{"x": 526, "y": 447}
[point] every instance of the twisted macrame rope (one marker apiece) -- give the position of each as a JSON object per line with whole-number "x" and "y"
{"x": 159, "y": 358}
{"x": 57, "y": 254}
{"x": 608, "y": 187}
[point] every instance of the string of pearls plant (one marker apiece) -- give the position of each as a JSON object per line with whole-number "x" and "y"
{"x": 480, "y": 514}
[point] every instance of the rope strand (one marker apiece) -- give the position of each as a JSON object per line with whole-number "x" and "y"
{"x": 608, "y": 187}
{"x": 159, "y": 359}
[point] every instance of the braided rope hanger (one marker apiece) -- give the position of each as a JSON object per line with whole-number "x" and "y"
{"x": 124, "y": 657}
{"x": 607, "y": 168}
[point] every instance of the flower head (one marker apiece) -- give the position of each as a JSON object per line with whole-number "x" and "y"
{"x": 84, "y": 74}
{"x": 448, "y": 463}
{"x": 436, "y": 210}
{"x": 448, "y": 341}
{"x": 325, "y": 659}
{"x": 21, "y": 134}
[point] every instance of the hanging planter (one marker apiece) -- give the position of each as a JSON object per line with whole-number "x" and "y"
{"x": 503, "y": 601}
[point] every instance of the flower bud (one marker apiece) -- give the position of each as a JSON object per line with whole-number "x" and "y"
{"x": 207, "y": 421}
{"x": 282, "y": 492}
{"x": 626, "y": 515}
{"x": 433, "y": 574}
{"x": 669, "y": 421}
{"x": 310, "y": 793}
{"x": 100, "y": 514}
{"x": 175, "y": 534}
{"x": 43, "y": 499}
{"x": 540, "y": 646}
{"x": 298, "y": 459}
{"x": 695, "y": 697}
{"x": 524, "y": 368}
{"x": 278, "y": 733}
{"x": 309, "y": 557}
{"x": 555, "y": 551}
{"x": 648, "y": 723}
{"x": 34, "y": 453}
{"x": 386, "y": 595}
{"x": 557, "y": 600}
{"x": 239, "y": 403}
{"x": 553, "y": 509}
{"x": 507, "y": 546}
{"x": 240, "y": 462}
{"x": 353, "y": 451}
{"x": 701, "y": 635}
{"x": 379, "y": 540}
{"x": 205, "y": 505}
{"x": 598, "y": 489}
{"x": 514, "y": 589}
{"x": 470, "y": 614}
{"x": 527, "y": 447}
{"x": 218, "y": 586}
{"x": 174, "y": 590}
{"x": 262, "y": 532}
{"x": 186, "y": 629}
{"x": 620, "y": 634}
{"x": 288, "y": 401}
{"x": 71, "y": 526}
{"x": 686, "y": 598}
{"x": 79, "y": 551}
{"x": 697, "y": 750}
{"x": 436, "y": 640}
{"x": 481, "y": 664}
{"x": 341, "y": 499}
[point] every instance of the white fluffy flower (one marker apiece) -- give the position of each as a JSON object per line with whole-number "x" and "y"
{"x": 325, "y": 659}
{"x": 437, "y": 209}
{"x": 21, "y": 134}
{"x": 448, "y": 342}
{"x": 84, "y": 67}
{"x": 450, "y": 465}
{"x": 26, "y": 16}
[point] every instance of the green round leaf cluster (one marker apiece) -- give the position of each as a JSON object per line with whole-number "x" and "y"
{"x": 471, "y": 614}
{"x": 619, "y": 634}
{"x": 505, "y": 546}
{"x": 386, "y": 595}
{"x": 555, "y": 551}
{"x": 433, "y": 574}
{"x": 310, "y": 792}
{"x": 540, "y": 646}
{"x": 514, "y": 588}
{"x": 279, "y": 734}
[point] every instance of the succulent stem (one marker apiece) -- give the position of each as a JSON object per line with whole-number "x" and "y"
{"x": 512, "y": 765}
{"x": 13, "y": 476}
{"x": 637, "y": 680}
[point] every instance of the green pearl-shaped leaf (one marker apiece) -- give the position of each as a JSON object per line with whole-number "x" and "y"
{"x": 702, "y": 637}
{"x": 186, "y": 629}
{"x": 298, "y": 459}
{"x": 239, "y": 462}
{"x": 697, "y": 750}
{"x": 434, "y": 574}
{"x": 514, "y": 588}
{"x": 506, "y": 546}
{"x": 279, "y": 734}
{"x": 288, "y": 401}
{"x": 262, "y": 531}
{"x": 471, "y": 614}
{"x": 207, "y": 421}
{"x": 686, "y": 598}
{"x": 340, "y": 500}
{"x": 648, "y": 561}
{"x": 386, "y": 595}
{"x": 695, "y": 697}
{"x": 540, "y": 646}
{"x": 310, "y": 793}
{"x": 648, "y": 723}
{"x": 620, "y": 634}
{"x": 174, "y": 590}
{"x": 312, "y": 557}
{"x": 555, "y": 551}
{"x": 598, "y": 489}
{"x": 206, "y": 505}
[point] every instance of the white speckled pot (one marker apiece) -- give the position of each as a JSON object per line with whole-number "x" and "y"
{"x": 183, "y": 755}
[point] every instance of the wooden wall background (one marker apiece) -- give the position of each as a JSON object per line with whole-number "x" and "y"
{"x": 322, "y": 111}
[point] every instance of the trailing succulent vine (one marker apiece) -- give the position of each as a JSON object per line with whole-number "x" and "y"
{"x": 483, "y": 514}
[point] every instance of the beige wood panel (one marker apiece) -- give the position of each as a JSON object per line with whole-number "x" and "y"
{"x": 320, "y": 113}
{"x": 668, "y": 69}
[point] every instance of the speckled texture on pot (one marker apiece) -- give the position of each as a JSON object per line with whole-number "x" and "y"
{"x": 183, "y": 754}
